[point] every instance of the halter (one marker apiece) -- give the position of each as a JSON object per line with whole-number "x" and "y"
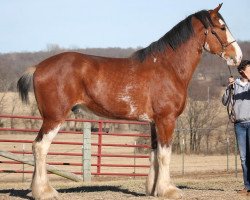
{"x": 231, "y": 101}
{"x": 223, "y": 45}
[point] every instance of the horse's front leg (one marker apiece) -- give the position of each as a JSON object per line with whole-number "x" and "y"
{"x": 163, "y": 186}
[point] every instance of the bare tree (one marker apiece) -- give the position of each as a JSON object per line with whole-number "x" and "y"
{"x": 2, "y": 106}
{"x": 34, "y": 112}
{"x": 14, "y": 99}
{"x": 199, "y": 119}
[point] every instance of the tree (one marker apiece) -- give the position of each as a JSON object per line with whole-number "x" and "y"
{"x": 199, "y": 119}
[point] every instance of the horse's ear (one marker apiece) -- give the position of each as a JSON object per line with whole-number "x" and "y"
{"x": 216, "y": 10}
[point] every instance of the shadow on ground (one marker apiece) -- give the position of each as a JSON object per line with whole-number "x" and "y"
{"x": 15, "y": 193}
{"x": 26, "y": 194}
{"x": 100, "y": 189}
{"x": 184, "y": 187}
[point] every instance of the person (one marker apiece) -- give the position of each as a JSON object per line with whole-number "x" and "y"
{"x": 240, "y": 101}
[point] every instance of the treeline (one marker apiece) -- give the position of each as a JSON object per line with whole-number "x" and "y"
{"x": 211, "y": 74}
{"x": 12, "y": 65}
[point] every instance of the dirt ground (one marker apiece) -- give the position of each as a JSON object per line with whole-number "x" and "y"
{"x": 204, "y": 177}
{"x": 200, "y": 186}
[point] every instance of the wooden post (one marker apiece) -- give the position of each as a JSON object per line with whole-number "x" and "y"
{"x": 30, "y": 161}
{"x": 86, "y": 151}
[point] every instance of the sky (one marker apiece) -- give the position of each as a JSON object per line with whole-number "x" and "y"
{"x": 28, "y": 25}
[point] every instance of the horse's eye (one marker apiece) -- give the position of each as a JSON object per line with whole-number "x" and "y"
{"x": 223, "y": 28}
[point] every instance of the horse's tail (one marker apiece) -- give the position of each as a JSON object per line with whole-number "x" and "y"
{"x": 24, "y": 83}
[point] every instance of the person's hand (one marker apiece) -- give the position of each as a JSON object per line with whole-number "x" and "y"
{"x": 231, "y": 81}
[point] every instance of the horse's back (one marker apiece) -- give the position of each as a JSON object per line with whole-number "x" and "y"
{"x": 71, "y": 78}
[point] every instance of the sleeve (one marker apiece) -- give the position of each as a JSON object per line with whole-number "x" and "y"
{"x": 225, "y": 97}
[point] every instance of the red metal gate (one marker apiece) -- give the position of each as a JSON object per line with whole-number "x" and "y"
{"x": 117, "y": 160}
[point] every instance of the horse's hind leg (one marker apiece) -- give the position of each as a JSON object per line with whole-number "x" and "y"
{"x": 154, "y": 166}
{"x": 41, "y": 189}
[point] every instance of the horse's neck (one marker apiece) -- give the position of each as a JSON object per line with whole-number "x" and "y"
{"x": 186, "y": 60}
{"x": 188, "y": 55}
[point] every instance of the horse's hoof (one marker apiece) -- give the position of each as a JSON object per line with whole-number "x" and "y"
{"x": 48, "y": 193}
{"x": 170, "y": 192}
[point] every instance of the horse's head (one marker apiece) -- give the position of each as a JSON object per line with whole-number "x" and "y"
{"x": 220, "y": 41}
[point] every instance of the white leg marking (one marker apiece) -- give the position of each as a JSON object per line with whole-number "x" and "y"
{"x": 153, "y": 173}
{"x": 41, "y": 188}
{"x": 163, "y": 181}
{"x": 164, "y": 187}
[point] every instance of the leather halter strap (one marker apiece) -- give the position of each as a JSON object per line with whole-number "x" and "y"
{"x": 223, "y": 45}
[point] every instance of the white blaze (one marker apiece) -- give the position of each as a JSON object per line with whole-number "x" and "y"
{"x": 238, "y": 52}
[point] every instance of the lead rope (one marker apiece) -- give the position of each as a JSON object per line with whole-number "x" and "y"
{"x": 231, "y": 101}
{"x": 231, "y": 116}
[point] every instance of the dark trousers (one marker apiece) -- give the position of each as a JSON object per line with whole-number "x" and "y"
{"x": 242, "y": 131}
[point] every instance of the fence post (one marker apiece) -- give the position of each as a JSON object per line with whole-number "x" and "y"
{"x": 134, "y": 158}
{"x": 99, "y": 150}
{"x": 23, "y": 163}
{"x": 182, "y": 153}
{"x": 86, "y": 151}
{"x": 235, "y": 157}
{"x": 228, "y": 151}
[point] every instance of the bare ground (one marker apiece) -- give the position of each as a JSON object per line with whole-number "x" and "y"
{"x": 205, "y": 176}
{"x": 202, "y": 186}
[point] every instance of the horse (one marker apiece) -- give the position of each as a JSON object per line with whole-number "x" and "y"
{"x": 150, "y": 85}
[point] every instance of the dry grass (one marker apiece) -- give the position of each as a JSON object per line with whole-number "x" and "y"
{"x": 204, "y": 179}
{"x": 205, "y": 186}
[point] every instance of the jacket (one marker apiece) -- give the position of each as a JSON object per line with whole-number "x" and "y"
{"x": 241, "y": 98}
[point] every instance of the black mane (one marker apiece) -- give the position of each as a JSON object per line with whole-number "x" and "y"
{"x": 176, "y": 36}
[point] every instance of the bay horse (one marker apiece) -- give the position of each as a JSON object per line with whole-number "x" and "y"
{"x": 150, "y": 85}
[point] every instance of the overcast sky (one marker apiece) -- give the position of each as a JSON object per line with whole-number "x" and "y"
{"x": 28, "y": 25}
